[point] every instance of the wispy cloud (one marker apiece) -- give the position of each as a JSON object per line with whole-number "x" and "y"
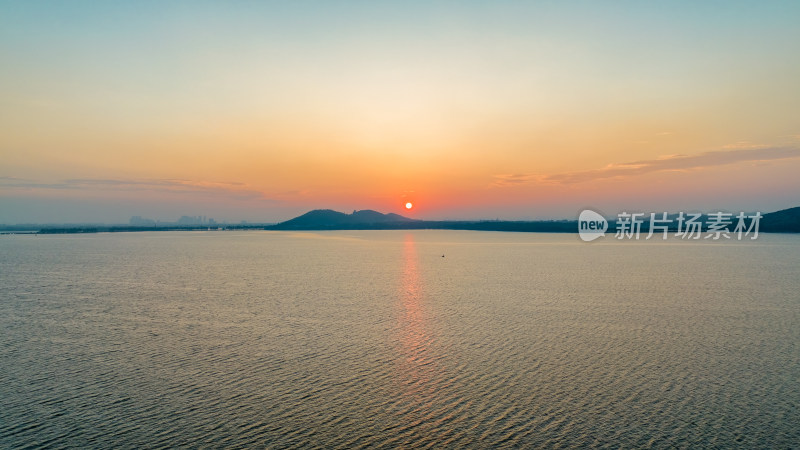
{"x": 217, "y": 188}
{"x": 514, "y": 179}
{"x": 744, "y": 145}
{"x": 23, "y": 183}
{"x": 677, "y": 163}
{"x": 665, "y": 163}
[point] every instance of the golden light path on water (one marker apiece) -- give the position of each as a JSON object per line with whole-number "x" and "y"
{"x": 418, "y": 373}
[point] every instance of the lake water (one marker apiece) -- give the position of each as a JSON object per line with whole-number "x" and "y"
{"x": 372, "y": 339}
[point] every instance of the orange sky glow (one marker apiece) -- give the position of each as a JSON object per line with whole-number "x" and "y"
{"x": 467, "y": 110}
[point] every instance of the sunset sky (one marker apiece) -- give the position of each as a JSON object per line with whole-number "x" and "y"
{"x": 261, "y": 111}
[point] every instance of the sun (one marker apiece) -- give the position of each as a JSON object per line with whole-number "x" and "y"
{"x": 409, "y": 205}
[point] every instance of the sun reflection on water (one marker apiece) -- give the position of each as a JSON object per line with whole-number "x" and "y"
{"x": 418, "y": 372}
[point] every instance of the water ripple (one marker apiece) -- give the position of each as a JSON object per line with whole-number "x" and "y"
{"x": 375, "y": 341}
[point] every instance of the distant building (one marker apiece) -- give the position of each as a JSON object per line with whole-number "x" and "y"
{"x": 196, "y": 220}
{"x": 138, "y": 221}
{"x": 187, "y": 220}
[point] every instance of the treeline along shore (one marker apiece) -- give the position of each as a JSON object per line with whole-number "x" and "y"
{"x": 784, "y": 221}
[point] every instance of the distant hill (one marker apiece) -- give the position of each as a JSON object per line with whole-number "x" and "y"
{"x": 328, "y": 219}
{"x": 783, "y": 221}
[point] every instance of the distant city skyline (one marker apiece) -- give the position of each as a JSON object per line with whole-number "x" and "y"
{"x": 468, "y": 110}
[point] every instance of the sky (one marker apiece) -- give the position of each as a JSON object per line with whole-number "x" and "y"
{"x": 261, "y": 111}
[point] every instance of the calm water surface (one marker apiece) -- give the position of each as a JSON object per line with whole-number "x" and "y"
{"x": 373, "y": 339}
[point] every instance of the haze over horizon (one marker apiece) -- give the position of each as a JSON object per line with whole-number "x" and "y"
{"x": 529, "y": 110}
